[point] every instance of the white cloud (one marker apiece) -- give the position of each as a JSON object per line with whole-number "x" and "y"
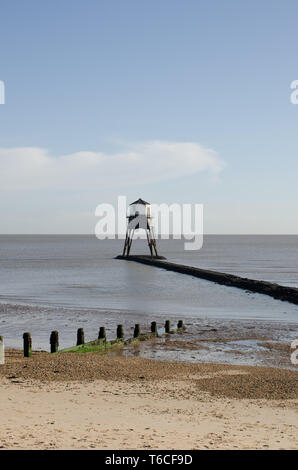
{"x": 153, "y": 161}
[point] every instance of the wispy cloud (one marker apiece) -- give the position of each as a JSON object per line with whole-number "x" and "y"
{"x": 146, "y": 162}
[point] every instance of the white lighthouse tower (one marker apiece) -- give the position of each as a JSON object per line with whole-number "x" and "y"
{"x": 139, "y": 217}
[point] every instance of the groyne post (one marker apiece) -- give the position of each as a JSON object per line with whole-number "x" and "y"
{"x": 137, "y": 331}
{"x": 154, "y": 327}
{"x": 180, "y": 324}
{"x": 27, "y": 344}
{"x": 54, "y": 341}
{"x": 80, "y": 336}
{"x": 120, "y": 332}
{"x": 167, "y": 326}
{"x": 102, "y": 333}
{"x": 2, "y": 355}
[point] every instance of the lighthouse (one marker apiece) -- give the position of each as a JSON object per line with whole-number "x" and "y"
{"x": 139, "y": 218}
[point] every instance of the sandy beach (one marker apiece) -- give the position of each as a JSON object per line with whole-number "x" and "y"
{"x": 95, "y": 401}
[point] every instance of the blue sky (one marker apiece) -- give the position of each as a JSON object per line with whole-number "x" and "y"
{"x": 109, "y": 78}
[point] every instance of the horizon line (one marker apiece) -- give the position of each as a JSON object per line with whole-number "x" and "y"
{"x": 171, "y": 235}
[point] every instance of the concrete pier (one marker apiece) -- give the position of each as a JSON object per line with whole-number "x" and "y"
{"x": 289, "y": 294}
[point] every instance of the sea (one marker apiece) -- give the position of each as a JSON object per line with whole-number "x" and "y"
{"x": 65, "y": 282}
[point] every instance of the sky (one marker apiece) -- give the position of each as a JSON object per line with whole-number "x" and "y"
{"x": 172, "y": 101}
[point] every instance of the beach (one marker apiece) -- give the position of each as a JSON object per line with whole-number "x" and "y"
{"x": 148, "y": 237}
{"x": 225, "y": 382}
{"x": 96, "y": 401}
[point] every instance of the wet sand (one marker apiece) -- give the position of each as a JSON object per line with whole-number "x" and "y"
{"x": 231, "y": 342}
{"x": 90, "y": 401}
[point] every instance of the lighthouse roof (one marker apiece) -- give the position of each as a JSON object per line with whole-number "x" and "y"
{"x": 140, "y": 201}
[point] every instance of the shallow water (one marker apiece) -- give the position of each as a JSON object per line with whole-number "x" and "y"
{"x": 66, "y": 282}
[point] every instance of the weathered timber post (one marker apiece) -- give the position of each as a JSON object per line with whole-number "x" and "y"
{"x": 137, "y": 331}
{"x": 2, "y": 356}
{"x": 167, "y": 326}
{"x": 27, "y": 344}
{"x": 80, "y": 337}
{"x": 102, "y": 333}
{"x": 120, "y": 332}
{"x": 154, "y": 327}
{"x": 54, "y": 341}
{"x": 180, "y": 324}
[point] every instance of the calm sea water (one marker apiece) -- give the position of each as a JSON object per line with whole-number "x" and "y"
{"x": 64, "y": 282}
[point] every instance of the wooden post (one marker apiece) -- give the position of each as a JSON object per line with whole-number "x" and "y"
{"x": 54, "y": 341}
{"x": 167, "y": 326}
{"x": 137, "y": 331}
{"x": 120, "y": 332}
{"x": 2, "y": 356}
{"x": 102, "y": 333}
{"x": 154, "y": 327}
{"x": 180, "y": 324}
{"x": 80, "y": 337}
{"x": 27, "y": 344}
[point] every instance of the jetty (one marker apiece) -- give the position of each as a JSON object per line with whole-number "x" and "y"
{"x": 289, "y": 294}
